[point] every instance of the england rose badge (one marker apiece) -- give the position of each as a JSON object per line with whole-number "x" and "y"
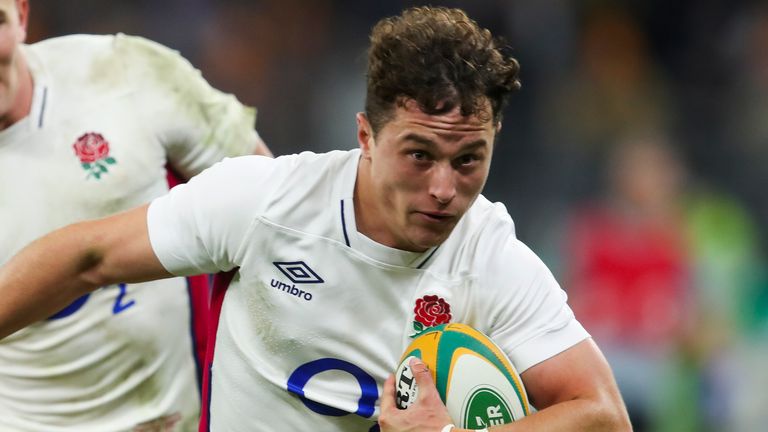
{"x": 93, "y": 151}
{"x": 430, "y": 311}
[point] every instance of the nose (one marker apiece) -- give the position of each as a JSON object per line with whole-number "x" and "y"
{"x": 442, "y": 183}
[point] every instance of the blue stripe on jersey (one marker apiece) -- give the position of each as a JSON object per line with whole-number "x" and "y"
{"x": 42, "y": 108}
{"x": 427, "y": 259}
{"x": 344, "y": 224}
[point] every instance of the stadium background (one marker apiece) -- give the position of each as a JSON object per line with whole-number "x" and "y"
{"x": 633, "y": 160}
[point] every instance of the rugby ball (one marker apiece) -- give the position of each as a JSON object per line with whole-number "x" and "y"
{"x": 475, "y": 379}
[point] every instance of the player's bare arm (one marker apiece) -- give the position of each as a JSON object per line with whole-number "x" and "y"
{"x": 54, "y": 270}
{"x": 574, "y": 391}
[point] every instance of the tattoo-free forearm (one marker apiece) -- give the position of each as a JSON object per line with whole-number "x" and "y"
{"x": 56, "y": 269}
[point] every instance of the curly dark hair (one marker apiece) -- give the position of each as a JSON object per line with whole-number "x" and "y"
{"x": 440, "y": 58}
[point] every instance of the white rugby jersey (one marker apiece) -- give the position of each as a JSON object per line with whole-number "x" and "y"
{"x": 108, "y": 113}
{"x": 317, "y": 315}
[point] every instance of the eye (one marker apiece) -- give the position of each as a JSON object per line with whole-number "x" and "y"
{"x": 467, "y": 160}
{"x": 419, "y": 156}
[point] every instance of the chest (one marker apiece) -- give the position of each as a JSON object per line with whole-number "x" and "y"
{"x": 312, "y": 289}
{"x": 314, "y": 317}
{"x": 83, "y": 161}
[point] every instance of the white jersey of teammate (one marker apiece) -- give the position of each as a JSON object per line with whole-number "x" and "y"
{"x": 316, "y": 314}
{"x": 108, "y": 112}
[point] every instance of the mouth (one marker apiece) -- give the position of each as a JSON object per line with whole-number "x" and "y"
{"x": 436, "y": 217}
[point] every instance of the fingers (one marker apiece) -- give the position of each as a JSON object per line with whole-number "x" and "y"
{"x": 428, "y": 413}
{"x": 423, "y": 377}
{"x": 388, "y": 395}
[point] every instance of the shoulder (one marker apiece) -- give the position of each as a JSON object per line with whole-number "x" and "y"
{"x": 233, "y": 186}
{"x": 308, "y": 176}
{"x": 72, "y": 55}
{"x": 291, "y": 191}
{"x": 480, "y": 234}
{"x": 75, "y": 42}
{"x": 291, "y": 175}
{"x": 306, "y": 188}
{"x": 485, "y": 244}
{"x": 117, "y": 45}
{"x": 501, "y": 257}
{"x": 308, "y": 160}
{"x": 240, "y": 170}
{"x": 131, "y": 52}
{"x": 147, "y": 61}
{"x": 106, "y": 59}
{"x": 489, "y": 218}
{"x": 146, "y": 52}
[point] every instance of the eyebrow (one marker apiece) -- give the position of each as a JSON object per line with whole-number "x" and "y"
{"x": 420, "y": 139}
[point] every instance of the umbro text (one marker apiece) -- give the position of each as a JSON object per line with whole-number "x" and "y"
{"x": 292, "y": 290}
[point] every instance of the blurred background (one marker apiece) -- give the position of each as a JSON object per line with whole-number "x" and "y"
{"x": 633, "y": 160}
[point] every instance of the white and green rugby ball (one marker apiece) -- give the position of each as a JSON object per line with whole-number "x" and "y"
{"x": 475, "y": 379}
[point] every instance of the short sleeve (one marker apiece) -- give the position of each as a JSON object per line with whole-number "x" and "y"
{"x": 197, "y": 124}
{"x": 531, "y": 318}
{"x": 199, "y": 227}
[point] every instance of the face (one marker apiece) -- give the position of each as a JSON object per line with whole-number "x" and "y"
{"x": 13, "y": 22}
{"x": 419, "y": 175}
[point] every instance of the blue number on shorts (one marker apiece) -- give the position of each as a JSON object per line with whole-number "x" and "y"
{"x": 368, "y": 389}
{"x": 119, "y": 306}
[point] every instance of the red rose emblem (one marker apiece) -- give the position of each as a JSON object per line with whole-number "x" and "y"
{"x": 431, "y": 310}
{"x": 93, "y": 151}
{"x": 91, "y": 147}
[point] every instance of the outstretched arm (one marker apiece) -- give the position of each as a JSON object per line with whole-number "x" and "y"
{"x": 574, "y": 391}
{"x": 56, "y": 269}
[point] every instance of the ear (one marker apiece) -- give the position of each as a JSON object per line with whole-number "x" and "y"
{"x": 364, "y": 134}
{"x": 498, "y": 127}
{"x": 22, "y": 8}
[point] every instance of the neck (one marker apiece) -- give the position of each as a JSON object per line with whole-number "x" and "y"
{"x": 361, "y": 199}
{"x": 22, "y": 100}
{"x": 367, "y": 211}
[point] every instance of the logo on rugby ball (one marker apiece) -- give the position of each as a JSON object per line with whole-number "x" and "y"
{"x": 474, "y": 377}
{"x": 486, "y": 407}
{"x": 430, "y": 311}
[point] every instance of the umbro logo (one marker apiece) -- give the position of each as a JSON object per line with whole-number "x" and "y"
{"x": 299, "y": 273}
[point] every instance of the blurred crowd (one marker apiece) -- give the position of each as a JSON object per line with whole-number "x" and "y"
{"x": 632, "y": 160}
